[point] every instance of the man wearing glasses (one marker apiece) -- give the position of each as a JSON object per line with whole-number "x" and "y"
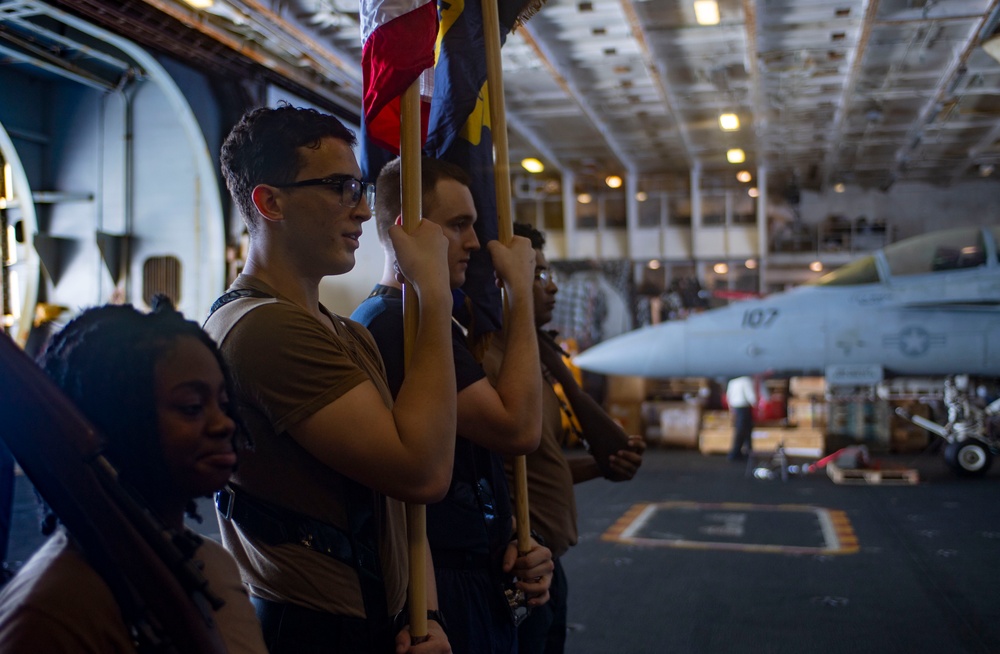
{"x": 314, "y": 514}
{"x": 470, "y": 530}
{"x": 567, "y": 411}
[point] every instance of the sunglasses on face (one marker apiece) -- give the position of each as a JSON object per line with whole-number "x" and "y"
{"x": 351, "y": 189}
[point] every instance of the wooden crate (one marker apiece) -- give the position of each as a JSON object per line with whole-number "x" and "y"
{"x": 715, "y": 441}
{"x": 804, "y": 387}
{"x": 796, "y": 441}
{"x": 625, "y": 389}
{"x": 890, "y": 476}
{"x": 628, "y": 415}
{"x": 808, "y": 413}
{"x": 716, "y": 420}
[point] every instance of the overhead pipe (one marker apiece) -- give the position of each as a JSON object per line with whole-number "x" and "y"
{"x": 832, "y": 158}
{"x": 667, "y": 96}
{"x": 347, "y": 81}
{"x": 931, "y": 108}
{"x": 530, "y": 35}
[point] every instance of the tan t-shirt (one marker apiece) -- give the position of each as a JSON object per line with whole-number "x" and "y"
{"x": 287, "y": 365}
{"x": 551, "y": 500}
{"x": 59, "y": 603}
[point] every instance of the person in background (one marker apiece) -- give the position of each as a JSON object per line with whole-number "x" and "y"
{"x": 741, "y": 398}
{"x": 567, "y": 412}
{"x": 470, "y": 531}
{"x": 156, "y": 389}
{"x": 315, "y": 514}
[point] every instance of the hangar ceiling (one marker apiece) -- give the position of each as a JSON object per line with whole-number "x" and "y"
{"x": 859, "y": 92}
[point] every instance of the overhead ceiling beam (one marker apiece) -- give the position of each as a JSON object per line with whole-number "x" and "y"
{"x": 294, "y": 35}
{"x": 57, "y": 66}
{"x": 335, "y": 70}
{"x": 836, "y": 132}
{"x": 530, "y": 35}
{"x": 945, "y": 87}
{"x": 515, "y": 123}
{"x": 760, "y": 119}
{"x": 975, "y": 151}
{"x": 658, "y": 77}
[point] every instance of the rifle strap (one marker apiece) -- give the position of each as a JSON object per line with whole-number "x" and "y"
{"x": 275, "y": 525}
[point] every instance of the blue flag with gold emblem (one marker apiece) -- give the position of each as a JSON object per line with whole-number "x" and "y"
{"x": 459, "y": 131}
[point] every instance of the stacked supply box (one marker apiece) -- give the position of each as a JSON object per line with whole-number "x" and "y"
{"x": 716, "y": 435}
{"x": 623, "y": 402}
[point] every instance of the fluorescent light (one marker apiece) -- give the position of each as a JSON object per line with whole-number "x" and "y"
{"x": 532, "y": 165}
{"x": 706, "y": 12}
{"x": 200, "y": 4}
{"x": 613, "y": 181}
{"x": 641, "y": 196}
{"x": 736, "y": 156}
{"x": 584, "y": 198}
{"x": 743, "y": 176}
{"x": 729, "y": 122}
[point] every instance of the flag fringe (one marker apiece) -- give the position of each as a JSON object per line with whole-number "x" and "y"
{"x": 527, "y": 11}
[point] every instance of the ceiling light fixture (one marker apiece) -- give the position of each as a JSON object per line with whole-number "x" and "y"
{"x": 200, "y": 4}
{"x": 706, "y": 12}
{"x": 654, "y": 264}
{"x": 750, "y": 264}
{"x": 753, "y": 192}
{"x": 584, "y": 198}
{"x": 720, "y": 268}
{"x": 729, "y": 122}
{"x": 736, "y": 156}
{"x": 532, "y": 165}
{"x": 816, "y": 266}
{"x": 839, "y": 187}
{"x": 641, "y": 196}
{"x": 613, "y": 181}
{"x": 743, "y": 176}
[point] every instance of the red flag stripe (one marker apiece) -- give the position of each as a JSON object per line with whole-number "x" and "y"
{"x": 398, "y": 48}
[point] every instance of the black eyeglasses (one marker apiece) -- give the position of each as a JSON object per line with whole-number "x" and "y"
{"x": 351, "y": 190}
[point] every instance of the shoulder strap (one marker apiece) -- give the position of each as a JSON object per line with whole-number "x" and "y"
{"x": 223, "y": 321}
{"x": 358, "y": 546}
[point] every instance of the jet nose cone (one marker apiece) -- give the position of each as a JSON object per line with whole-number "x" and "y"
{"x": 648, "y": 352}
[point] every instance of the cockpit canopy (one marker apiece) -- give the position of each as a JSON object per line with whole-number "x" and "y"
{"x": 954, "y": 249}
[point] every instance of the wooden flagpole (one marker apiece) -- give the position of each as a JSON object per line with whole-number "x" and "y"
{"x": 416, "y": 514}
{"x": 505, "y": 222}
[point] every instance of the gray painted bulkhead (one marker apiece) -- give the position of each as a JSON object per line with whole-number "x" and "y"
{"x": 128, "y": 167}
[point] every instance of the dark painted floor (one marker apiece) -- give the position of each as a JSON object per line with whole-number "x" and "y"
{"x": 925, "y": 576}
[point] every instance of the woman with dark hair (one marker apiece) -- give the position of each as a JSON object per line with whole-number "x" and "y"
{"x": 158, "y": 393}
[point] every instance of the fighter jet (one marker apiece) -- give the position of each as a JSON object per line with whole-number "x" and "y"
{"x": 928, "y": 305}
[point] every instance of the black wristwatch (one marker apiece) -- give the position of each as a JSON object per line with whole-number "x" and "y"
{"x": 437, "y": 617}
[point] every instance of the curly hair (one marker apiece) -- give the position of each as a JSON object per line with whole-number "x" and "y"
{"x": 263, "y": 149}
{"x": 105, "y": 361}
{"x": 536, "y": 237}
